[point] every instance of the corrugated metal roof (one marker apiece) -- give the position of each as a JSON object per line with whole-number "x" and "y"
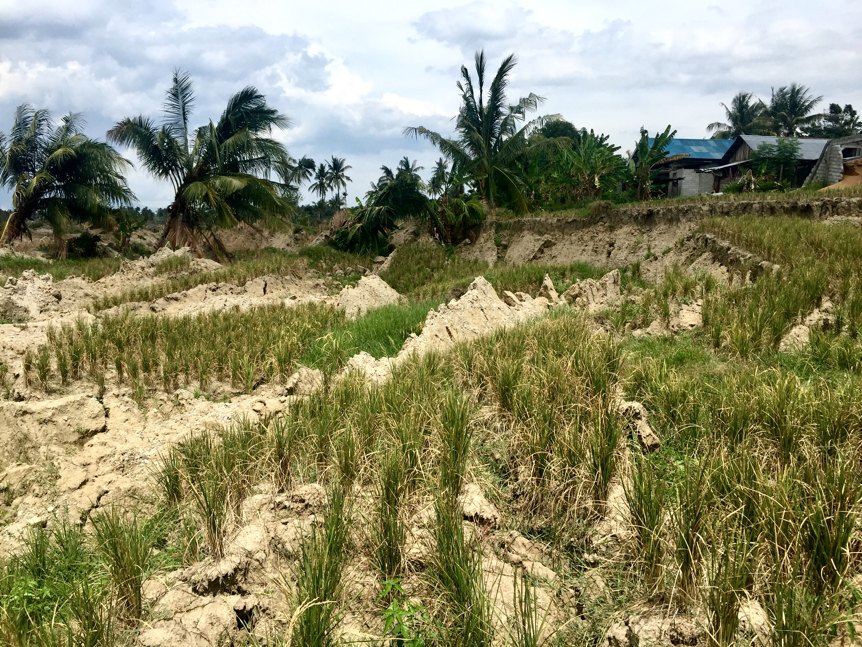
{"x": 809, "y": 149}
{"x": 703, "y": 149}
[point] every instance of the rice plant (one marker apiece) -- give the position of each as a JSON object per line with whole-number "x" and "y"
{"x": 528, "y": 623}
{"x": 456, "y": 437}
{"x": 645, "y": 495}
{"x": 829, "y": 524}
{"x": 795, "y": 612}
{"x": 602, "y": 449}
{"x": 319, "y": 576}
{"x": 690, "y": 525}
{"x": 283, "y": 432}
{"x": 127, "y": 545}
{"x": 456, "y": 572}
{"x": 781, "y": 407}
{"x": 389, "y": 529}
{"x": 729, "y": 575}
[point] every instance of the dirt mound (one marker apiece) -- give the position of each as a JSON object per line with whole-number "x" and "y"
{"x": 852, "y": 177}
{"x": 371, "y": 292}
{"x": 655, "y": 626}
{"x": 797, "y": 338}
{"x": 210, "y": 297}
{"x": 479, "y": 311}
{"x": 593, "y": 296}
{"x": 28, "y": 296}
{"x": 243, "y": 237}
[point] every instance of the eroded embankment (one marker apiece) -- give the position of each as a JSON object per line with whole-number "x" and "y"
{"x": 616, "y": 237}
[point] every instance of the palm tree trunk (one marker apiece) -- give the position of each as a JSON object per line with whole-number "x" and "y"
{"x": 176, "y": 233}
{"x": 62, "y": 246}
{"x": 15, "y": 228}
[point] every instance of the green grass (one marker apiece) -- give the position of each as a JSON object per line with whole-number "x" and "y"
{"x": 67, "y": 587}
{"x": 380, "y": 332}
{"x": 247, "y": 348}
{"x": 92, "y": 268}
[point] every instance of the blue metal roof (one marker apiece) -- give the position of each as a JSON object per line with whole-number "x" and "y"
{"x": 703, "y": 149}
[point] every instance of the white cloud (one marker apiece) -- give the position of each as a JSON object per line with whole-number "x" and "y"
{"x": 352, "y": 76}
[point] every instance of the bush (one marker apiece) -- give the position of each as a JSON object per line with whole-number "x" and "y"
{"x": 84, "y": 246}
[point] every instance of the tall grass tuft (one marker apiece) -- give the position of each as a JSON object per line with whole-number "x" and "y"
{"x": 456, "y": 572}
{"x": 645, "y": 495}
{"x": 729, "y": 574}
{"x": 829, "y": 523}
{"x": 389, "y": 529}
{"x": 318, "y": 578}
{"x": 127, "y": 545}
{"x": 283, "y": 432}
{"x": 528, "y": 624}
{"x": 690, "y": 519}
{"x": 602, "y": 450}
{"x": 456, "y": 437}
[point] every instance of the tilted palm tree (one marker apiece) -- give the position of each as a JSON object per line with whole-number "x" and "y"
{"x": 438, "y": 178}
{"x": 220, "y": 172}
{"x": 302, "y": 170}
{"x": 790, "y": 108}
{"x": 489, "y": 136}
{"x": 745, "y": 116}
{"x": 58, "y": 173}
{"x": 386, "y": 177}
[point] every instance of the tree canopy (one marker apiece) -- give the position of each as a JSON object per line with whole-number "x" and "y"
{"x": 489, "y": 136}
{"x": 58, "y": 173}
{"x": 746, "y": 115}
{"x": 836, "y": 122}
{"x": 220, "y": 171}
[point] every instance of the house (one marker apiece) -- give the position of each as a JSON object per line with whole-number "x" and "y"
{"x": 734, "y": 164}
{"x": 835, "y": 161}
{"x": 685, "y": 158}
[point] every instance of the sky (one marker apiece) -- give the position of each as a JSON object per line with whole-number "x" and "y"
{"x": 352, "y": 75}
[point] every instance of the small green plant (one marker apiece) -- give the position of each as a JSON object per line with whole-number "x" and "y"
{"x": 403, "y": 621}
{"x": 43, "y": 366}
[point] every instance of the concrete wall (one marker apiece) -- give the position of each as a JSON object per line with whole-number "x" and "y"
{"x": 689, "y": 182}
{"x": 829, "y": 169}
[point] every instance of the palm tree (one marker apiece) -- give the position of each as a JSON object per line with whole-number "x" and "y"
{"x": 58, "y": 173}
{"x": 745, "y": 116}
{"x": 321, "y": 185}
{"x": 219, "y": 172}
{"x": 302, "y": 170}
{"x": 791, "y": 107}
{"x": 410, "y": 169}
{"x": 438, "y": 178}
{"x": 337, "y": 175}
{"x": 489, "y": 140}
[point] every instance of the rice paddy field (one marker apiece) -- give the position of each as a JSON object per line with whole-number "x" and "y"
{"x": 493, "y": 492}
